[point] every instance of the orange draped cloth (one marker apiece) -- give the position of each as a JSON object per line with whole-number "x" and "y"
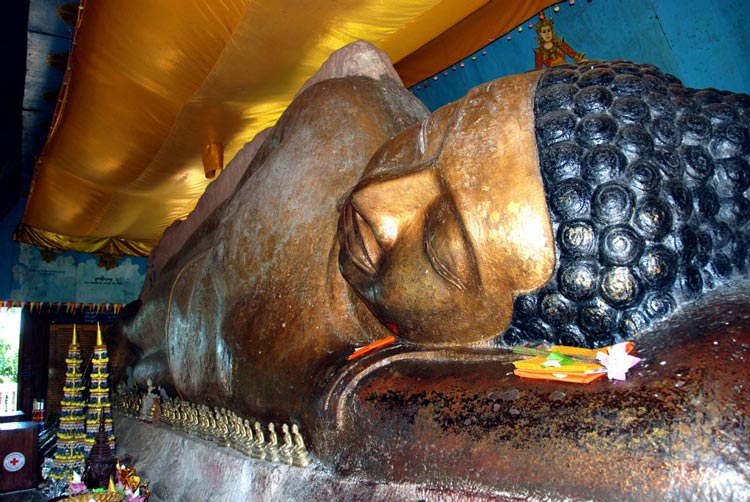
{"x": 159, "y": 96}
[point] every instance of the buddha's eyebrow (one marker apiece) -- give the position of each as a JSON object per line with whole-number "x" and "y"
{"x": 386, "y": 171}
{"x": 434, "y": 130}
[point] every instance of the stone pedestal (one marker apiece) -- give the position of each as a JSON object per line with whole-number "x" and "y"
{"x": 423, "y": 425}
{"x": 180, "y": 467}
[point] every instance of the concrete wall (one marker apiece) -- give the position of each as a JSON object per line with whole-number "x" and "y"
{"x": 71, "y": 278}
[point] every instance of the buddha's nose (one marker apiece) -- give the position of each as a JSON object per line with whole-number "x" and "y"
{"x": 390, "y": 206}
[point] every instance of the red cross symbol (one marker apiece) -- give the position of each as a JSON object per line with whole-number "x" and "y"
{"x": 14, "y": 461}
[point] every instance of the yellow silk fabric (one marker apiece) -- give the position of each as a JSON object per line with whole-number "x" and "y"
{"x": 103, "y": 245}
{"x": 151, "y": 84}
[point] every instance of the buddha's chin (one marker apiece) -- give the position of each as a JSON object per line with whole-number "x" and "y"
{"x": 469, "y": 322}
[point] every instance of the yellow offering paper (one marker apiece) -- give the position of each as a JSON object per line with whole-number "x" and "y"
{"x": 583, "y": 368}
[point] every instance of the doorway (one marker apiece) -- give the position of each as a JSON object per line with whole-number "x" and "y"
{"x": 10, "y": 337}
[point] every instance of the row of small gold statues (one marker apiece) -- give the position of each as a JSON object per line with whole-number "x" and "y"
{"x": 226, "y": 428}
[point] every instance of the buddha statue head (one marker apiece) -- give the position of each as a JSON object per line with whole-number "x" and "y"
{"x": 623, "y": 199}
{"x": 449, "y": 222}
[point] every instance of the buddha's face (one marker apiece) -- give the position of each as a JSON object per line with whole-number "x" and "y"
{"x": 449, "y": 221}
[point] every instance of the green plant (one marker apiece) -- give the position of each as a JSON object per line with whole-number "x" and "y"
{"x": 8, "y": 362}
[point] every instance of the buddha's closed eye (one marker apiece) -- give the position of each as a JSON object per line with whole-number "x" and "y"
{"x": 446, "y": 246}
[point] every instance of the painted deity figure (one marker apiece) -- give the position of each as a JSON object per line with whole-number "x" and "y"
{"x": 552, "y": 50}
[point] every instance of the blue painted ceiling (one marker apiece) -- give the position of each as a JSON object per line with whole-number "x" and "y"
{"x": 36, "y": 41}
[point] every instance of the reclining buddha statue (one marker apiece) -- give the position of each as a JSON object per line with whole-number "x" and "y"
{"x": 583, "y": 205}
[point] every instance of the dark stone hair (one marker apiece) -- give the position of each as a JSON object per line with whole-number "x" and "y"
{"x": 646, "y": 183}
